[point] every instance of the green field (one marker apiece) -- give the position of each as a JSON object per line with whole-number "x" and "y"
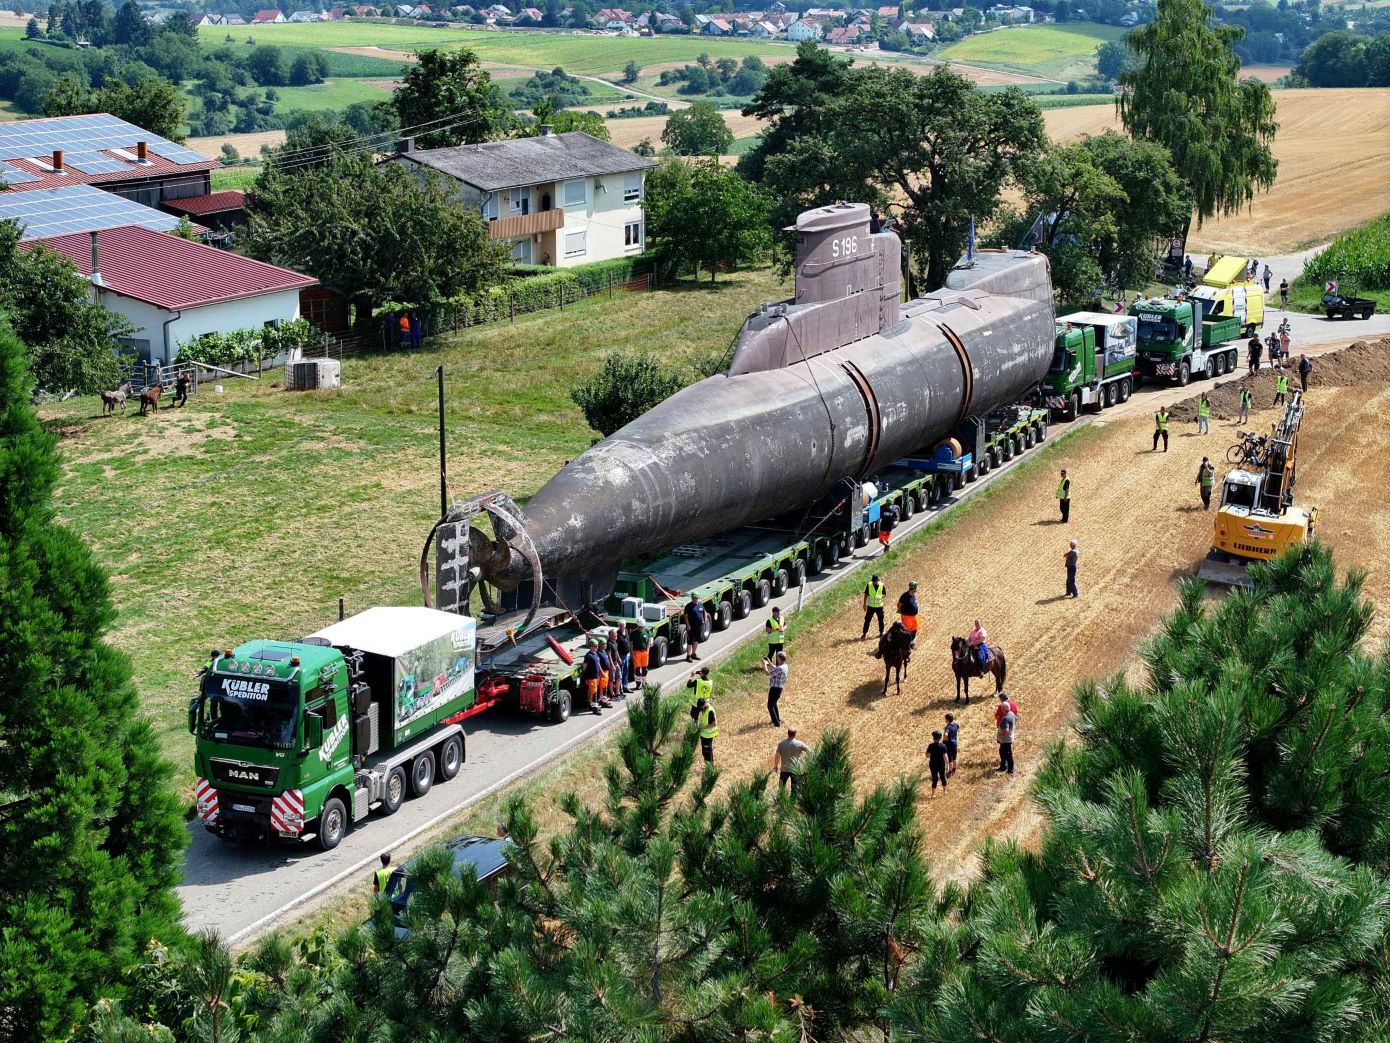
{"x": 1062, "y": 52}
{"x": 330, "y": 94}
{"x": 575, "y": 53}
{"x": 250, "y": 513}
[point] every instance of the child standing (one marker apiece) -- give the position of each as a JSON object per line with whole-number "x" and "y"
{"x": 952, "y": 742}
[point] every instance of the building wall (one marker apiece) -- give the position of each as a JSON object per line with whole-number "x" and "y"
{"x": 247, "y": 313}
{"x": 602, "y": 218}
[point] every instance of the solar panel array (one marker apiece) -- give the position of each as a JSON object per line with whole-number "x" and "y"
{"x": 46, "y": 212}
{"x": 81, "y": 138}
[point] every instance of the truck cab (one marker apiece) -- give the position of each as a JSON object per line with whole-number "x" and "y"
{"x": 1093, "y": 362}
{"x": 1182, "y": 339}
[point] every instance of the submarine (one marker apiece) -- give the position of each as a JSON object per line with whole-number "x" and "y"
{"x": 834, "y": 383}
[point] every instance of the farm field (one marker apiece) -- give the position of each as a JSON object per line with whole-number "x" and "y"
{"x": 1063, "y": 52}
{"x": 309, "y": 497}
{"x": 1333, "y": 149}
{"x": 331, "y": 94}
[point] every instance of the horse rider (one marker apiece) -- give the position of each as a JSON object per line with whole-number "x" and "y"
{"x": 908, "y": 609}
{"x": 979, "y": 644}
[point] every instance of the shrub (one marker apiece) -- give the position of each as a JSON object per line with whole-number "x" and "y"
{"x": 241, "y": 346}
{"x": 626, "y": 387}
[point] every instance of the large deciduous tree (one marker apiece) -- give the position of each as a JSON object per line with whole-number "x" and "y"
{"x": 373, "y": 233}
{"x": 152, "y": 103}
{"x": 697, "y": 131}
{"x": 704, "y": 216}
{"x": 90, "y": 833}
{"x": 447, "y": 98}
{"x": 1184, "y": 93}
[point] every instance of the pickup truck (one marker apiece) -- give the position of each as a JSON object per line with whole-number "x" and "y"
{"x": 1338, "y": 305}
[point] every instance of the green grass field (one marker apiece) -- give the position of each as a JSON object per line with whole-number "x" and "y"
{"x": 234, "y": 177}
{"x": 330, "y": 94}
{"x": 250, "y": 513}
{"x": 1062, "y": 52}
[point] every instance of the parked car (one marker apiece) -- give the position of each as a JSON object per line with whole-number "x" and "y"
{"x": 487, "y": 856}
{"x": 1338, "y": 304}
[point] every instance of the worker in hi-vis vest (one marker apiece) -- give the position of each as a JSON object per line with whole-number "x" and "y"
{"x": 1064, "y": 496}
{"x": 1160, "y": 429}
{"x": 776, "y": 628}
{"x": 709, "y": 728}
{"x": 698, "y": 689}
{"x": 382, "y": 877}
{"x": 1281, "y": 388}
{"x": 874, "y": 593}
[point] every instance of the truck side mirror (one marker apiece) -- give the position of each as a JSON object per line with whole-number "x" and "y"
{"x": 192, "y": 716}
{"x": 313, "y": 731}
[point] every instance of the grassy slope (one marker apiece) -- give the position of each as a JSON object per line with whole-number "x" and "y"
{"x": 249, "y": 513}
{"x": 330, "y": 94}
{"x": 1064, "y": 52}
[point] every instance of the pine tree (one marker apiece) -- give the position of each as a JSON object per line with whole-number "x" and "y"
{"x": 90, "y": 834}
{"x": 1214, "y": 862}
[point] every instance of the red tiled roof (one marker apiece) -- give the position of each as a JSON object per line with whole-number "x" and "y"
{"x": 216, "y": 203}
{"x": 169, "y": 272}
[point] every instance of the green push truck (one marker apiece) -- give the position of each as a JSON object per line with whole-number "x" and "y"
{"x": 299, "y": 739}
{"x": 1176, "y": 342}
{"x": 1093, "y": 363}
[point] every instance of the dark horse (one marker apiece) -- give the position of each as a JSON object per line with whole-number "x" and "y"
{"x": 965, "y": 665}
{"x": 895, "y": 649}
{"x": 149, "y": 399}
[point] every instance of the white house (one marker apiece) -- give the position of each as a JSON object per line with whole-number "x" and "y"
{"x": 805, "y": 29}
{"x": 557, "y": 199}
{"x": 173, "y": 290}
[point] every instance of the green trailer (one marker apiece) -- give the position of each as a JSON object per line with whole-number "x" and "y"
{"x": 298, "y": 739}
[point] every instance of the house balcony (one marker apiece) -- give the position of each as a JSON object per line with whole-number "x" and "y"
{"x": 526, "y": 224}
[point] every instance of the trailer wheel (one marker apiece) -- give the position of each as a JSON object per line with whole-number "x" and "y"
{"x": 1028, "y": 437}
{"x": 676, "y": 644}
{"x": 779, "y": 583}
{"x": 422, "y": 774}
{"x": 742, "y": 604}
{"x": 817, "y": 564}
{"x": 722, "y": 616}
{"x": 861, "y": 536}
{"x": 560, "y": 709}
{"x": 394, "y": 795}
{"x": 958, "y": 481}
{"x": 451, "y": 756}
{"x": 996, "y": 458}
{"x": 707, "y": 627}
{"x": 659, "y": 654}
{"x": 762, "y": 593}
{"x": 908, "y": 508}
{"x": 1042, "y": 430}
{"x": 332, "y": 823}
{"x": 1126, "y": 389}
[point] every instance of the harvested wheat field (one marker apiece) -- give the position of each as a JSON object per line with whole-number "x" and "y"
{"x": 1333, "y": 148}
{"x": 1140, "y": 526}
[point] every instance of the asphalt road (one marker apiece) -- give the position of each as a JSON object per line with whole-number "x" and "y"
{"x": 239, "y": 891}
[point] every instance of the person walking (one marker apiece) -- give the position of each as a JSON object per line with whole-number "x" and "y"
{"x": 1305, "y": 367}
{"x": 1246, "y": 397}
{"x": 1203, "y": 415}
{"x": 1004, "y": 733}
{"x": 776, "y": 670}
{"x": 1161, "y": 428}
{"x": 1281, "y": 388}
{"x": 1070, "y": 559}
{"x": 908, "y": 609}
{"x": 1206, "y": 478}
{"x": 1283, "y": 294}
{"x": 776, "y": 629}
{"x": 641, "y": 656}
{"x": 874, "y": 593}
{"x": 952, "y": 730}
{"x": 381, "y": 879}
{"x": 936, "y": 762}
{"x": 1064, "y": 496}
{"x": 694, "y": 628}
{"x": 709, "y": 728}
{"x": 698, "y": 689}
{"x": 1267, "y": 276}
{"x": 786, "y": 762}
{"x": 1253, "y": 352}
{"x": 887, "y": 521}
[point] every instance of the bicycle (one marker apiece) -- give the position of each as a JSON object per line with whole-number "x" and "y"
{"x": 1251, "y": 449}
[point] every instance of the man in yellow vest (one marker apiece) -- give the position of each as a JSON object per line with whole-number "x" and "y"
{"x": 1246, "y": 398}
{"x": 709, "y": 728}
{"x": 381, "y": 879}
{"x": 1203, "y": 415}
{"x": 1064, "y": 496}
{"x": 1160, "y": 429}
{"x": 1206, "y": 478}
{"x": 874, "y": 593}
{"x": 776, "y": 628}
{"x": 1281, "y": 388}
{"x": 699, "y": 689}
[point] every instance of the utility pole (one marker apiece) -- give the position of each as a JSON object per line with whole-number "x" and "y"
{"x": 443, "y": 470}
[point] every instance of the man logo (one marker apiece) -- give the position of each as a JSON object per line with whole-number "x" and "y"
{"x": 1258, "y": 531}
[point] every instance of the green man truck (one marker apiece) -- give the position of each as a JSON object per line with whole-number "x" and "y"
{"x": 1180, "y": 339}
{"x": 298, "y": 739}
{"x": 1093, "y": 363}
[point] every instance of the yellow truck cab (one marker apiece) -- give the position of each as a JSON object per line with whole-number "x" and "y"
{"x": 1225, "y": 293}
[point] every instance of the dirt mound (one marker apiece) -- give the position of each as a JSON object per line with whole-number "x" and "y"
{"x": 1363, "y": 362}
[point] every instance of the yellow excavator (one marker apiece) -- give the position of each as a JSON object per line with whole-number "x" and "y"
{"x": 1257, "y": 519}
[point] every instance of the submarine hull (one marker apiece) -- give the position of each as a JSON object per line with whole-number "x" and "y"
{"x": 797, "y": 413}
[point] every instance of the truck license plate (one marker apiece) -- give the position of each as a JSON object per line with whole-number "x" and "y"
{"x": 251, "y": 808}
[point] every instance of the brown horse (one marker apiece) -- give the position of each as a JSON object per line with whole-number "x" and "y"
{"x": 965, "y": 665}
{"x": 895, "y": 649}
{"x": 149, "y": 399}
{"x": 111, "y": 399}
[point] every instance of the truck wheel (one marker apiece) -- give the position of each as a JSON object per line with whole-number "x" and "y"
{"x": 1125, "y": 391}
{"x": 817, "y": 564}
{"x": 908, "y": 508}
{"x": 394, "y": 796}
{"x": 422, "y": 774}
{"x": 1184, "y": 374}
{"x": 996, "y": 458}
{"x": 762, "y": 593}
{"x": 958, "y": 481}
{"x": 658, "y": 655}
{"x": 707, "y": 627}
{"x": 561, "y": 707}
{"x": 799, "y": 573}
{"x": 742, "y": 604}
{"x": 1042, "y": 430}
{"x": 1230, "y": 362}
{"x": 1028, "y": 437}
{"x": 1107, "y": 396}
{"x": 1212, "y": 371}
{"x": 722, "y": 616}
{"x": 779, "y": 583}
{"x": 451, "y": 754}
{"x": 332, "y": 823}
{"x": 1074, "y": 405}
{"x": 676, "y": 645}
{"x": 983, "y": 466}
{"x": 921, "y": 498}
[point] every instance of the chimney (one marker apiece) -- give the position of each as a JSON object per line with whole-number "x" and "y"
{"x": 405, "y": 145}
{"x": 142, "y": 151}
{"x": 96, "y": 260}
{"x": 58, "y": 159}
{"x": 547, "y": 130}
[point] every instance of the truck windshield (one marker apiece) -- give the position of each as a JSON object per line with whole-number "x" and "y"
{"x": 1157, "y": 329}
{"x": 1061, "y": 361}
{"x": 249, "y": 711}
